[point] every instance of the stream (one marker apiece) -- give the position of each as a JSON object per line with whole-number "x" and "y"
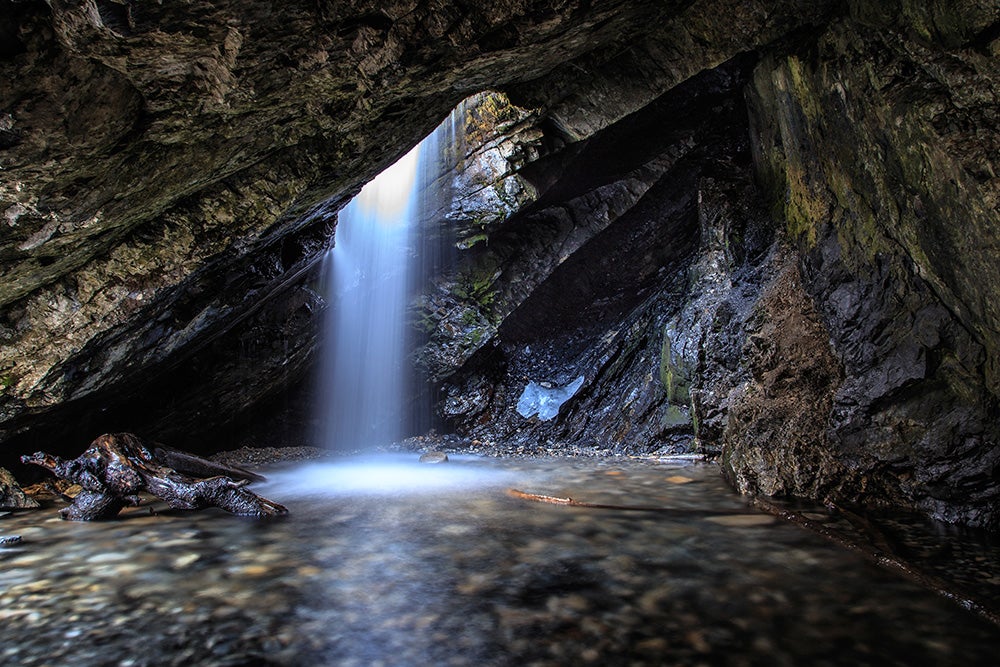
{"x": 386, "y": 561}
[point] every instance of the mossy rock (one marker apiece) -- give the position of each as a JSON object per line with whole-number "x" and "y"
{"x": 674, "y": 374}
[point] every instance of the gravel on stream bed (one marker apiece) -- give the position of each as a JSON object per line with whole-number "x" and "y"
{"x": 384, "y": 561}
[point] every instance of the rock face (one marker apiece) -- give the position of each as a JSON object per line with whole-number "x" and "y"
{"x": 11, "y": 495}
{"x": 764, "y": 229}
{"x": 835, "y": 354}
{"x": 888, "y": 173}
{"x": 622, "y": 212}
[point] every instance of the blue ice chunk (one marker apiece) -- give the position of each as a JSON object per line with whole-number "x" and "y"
{"x": 544, "y": 401}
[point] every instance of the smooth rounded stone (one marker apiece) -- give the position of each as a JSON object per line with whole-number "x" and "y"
{"x": 167, "y": 544}
{"x": 434, "y": 457}
{"x": 476, "y": 583}
{"x": 567, "y": 605}
{"x": 109, "y": 557}
{"x": 679, "y": 479}
{"x": 182, "y": 562}
{"x": 252, "y": 570}
{"x": 657, "y": 645}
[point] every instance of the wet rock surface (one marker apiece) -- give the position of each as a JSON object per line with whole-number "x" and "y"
{"x": 812, "y": 326}
{"x": 766, "y": 231}
{"x": 474, "y": 577}
{"x": 587, "y": 284}
{"x": 165, "y": 169}
{"x": 858, "y": 159}
{"x": 11, "y": 494}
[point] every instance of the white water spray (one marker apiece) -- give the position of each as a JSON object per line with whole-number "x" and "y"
{"x": 379, "y": 253}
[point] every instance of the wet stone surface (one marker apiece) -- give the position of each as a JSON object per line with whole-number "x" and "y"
{"x": 409, "y": 564}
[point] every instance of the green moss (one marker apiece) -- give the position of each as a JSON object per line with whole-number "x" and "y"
{"x": 477, "y": 284}
{"x": 469, "y": 317}
{"x": 6, "y": 382}
{"x": 694, "y": 419}
{"x": 673, "y": 375}
{"x": 665, "y": 378}
{"x": 674, "y": 416}
{"x": 472, "y": 240}
{"x": 804, "y": 210}
{"x": 493, "y": 110}
{"x": 801, "y": 89}
{"x": 426, "y": 323}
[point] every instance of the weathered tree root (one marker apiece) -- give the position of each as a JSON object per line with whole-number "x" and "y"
{"x": 116, "y": 468}
{"x": 880, "y": 553}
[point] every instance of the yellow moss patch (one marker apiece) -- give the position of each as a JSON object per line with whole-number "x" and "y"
{"x": 802, "y": 90}
{"x": 804, "y": 209}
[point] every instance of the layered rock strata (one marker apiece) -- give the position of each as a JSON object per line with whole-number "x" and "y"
{"x": 763, "y": 229}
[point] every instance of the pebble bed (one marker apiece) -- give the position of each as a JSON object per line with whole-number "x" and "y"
{"x": 438, "y": 565}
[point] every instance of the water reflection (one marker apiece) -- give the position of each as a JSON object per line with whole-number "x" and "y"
{"x": 450, "y": 572}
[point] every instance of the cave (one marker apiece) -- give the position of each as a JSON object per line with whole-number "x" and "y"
{"x": 761, "y": 235}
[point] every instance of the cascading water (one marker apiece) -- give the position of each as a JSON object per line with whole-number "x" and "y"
{"x": 380, "y": 253}
{"x": 364, "y": 372}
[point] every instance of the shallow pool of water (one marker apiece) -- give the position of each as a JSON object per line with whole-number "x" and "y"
{"x": 407, "y": 564}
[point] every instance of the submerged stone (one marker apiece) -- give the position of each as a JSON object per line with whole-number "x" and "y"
{"x": 434, "y": 457}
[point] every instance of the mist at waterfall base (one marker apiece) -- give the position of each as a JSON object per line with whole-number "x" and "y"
{"x": 386, "y": 245}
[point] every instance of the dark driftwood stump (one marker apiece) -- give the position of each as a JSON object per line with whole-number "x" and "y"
{"x": 117, "y": 467}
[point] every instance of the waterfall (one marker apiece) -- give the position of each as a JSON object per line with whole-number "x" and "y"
{"x": 381, "y": 253}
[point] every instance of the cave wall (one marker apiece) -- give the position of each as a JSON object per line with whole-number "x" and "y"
{"x": 878, "y": 146}
{"x": 588, "y": 280}
{"x": 764, "y": 229}
{"x": 851, "y": 356}
{"x": 152, "y": 153}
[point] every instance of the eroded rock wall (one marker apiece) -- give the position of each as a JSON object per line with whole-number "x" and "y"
{"x": 151, "y": 152}
{"x": 582, "y": 283}
{"x": 878, "y": 141}
{"x": 827, "y": 327}
{"x": 764, "y": 229}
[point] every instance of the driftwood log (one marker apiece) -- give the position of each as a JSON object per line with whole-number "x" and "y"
{"x": 117, "y": 467}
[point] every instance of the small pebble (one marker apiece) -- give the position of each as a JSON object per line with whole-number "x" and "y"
{"x": 678, "y": 479}
{"x": 184, "y": 561}
{"x": 434, "y": 457}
